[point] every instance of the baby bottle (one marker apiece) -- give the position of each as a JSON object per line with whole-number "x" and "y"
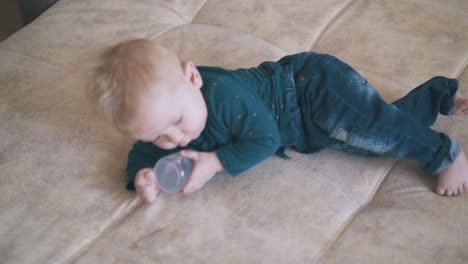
{"x": 173, "y": 171}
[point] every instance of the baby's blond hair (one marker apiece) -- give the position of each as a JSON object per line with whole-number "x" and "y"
{"x": 129, "y": 72}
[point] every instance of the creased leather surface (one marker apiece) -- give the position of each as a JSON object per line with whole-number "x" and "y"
{"x": 291, "y": 25}
{"x": 60, "y": 167}
{"x": 62, "y": 194}
{"x": 410, "y": 41}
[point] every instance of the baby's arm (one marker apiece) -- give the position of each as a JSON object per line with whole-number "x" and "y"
{"x": 253, "y": 131}
{"x": 239, "y": 155}
{"x": 251, "y": 137}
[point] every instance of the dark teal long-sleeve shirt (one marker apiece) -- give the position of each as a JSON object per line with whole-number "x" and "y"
{"x": 247, "y": 120}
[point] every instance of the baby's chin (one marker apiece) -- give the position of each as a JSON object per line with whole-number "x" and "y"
{"x": 167, "y": 146}
{"x": 183, "y": 144}
{"x": 170, "y": 146}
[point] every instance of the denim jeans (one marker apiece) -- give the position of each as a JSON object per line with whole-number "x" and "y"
{"x": 341, "y": 110}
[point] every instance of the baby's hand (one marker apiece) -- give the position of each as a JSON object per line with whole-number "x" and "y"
{"x": 146, "y": 186}
{"x": 206, "y": 165}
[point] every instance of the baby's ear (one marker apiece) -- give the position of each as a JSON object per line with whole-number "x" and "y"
{"x": 191, "y": 71}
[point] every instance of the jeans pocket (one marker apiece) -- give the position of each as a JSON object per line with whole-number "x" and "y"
{"x": 360, "y": 139}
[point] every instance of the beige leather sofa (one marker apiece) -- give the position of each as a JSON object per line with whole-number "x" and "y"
{"x": 62, "y": 168}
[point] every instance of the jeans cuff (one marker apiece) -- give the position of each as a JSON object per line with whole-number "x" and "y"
{"x": 447, "y": 160}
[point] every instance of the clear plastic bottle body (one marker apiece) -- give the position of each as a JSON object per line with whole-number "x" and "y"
{"x": 173, "y": 171}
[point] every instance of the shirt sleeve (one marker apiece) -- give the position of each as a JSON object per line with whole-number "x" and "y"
{"x": 254, "y": 133}
{"x": 143, "y": 155}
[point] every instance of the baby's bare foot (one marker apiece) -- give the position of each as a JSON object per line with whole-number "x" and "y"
{"x": 145, "y": 185}
{"x": 460, "y": 104}
{"x": 454, "y": 179}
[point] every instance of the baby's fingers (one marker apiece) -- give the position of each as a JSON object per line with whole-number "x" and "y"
{"x": 151, "y": 180}
{"x": 191, "y": 187}
{"x": 146, "y": 185}
{"x": 145, "y": 177}
{"x": 188, "y": 188}
{"x": 190, "y": 154}
{"x": 148, "y": 195}
{"x": 140, "y": 181}
{"x": 195, "y": 182}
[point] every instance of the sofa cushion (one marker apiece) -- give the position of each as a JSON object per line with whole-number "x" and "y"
{"x": 63, "y": 167}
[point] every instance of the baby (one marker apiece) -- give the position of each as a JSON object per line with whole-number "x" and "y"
{"x": 230, "y": 120}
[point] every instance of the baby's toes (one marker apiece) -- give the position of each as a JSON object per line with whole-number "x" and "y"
{"x": 464, "y": 106}
{"x": 440, "y": 190}
{"x": 464, "y": 187}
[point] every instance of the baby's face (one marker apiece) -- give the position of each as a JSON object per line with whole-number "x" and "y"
{"x": 174, "y": 117}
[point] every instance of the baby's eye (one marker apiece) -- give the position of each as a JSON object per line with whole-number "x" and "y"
{"x": 179, "y": 120}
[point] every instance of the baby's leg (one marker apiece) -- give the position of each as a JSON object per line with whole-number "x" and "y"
{"x": 347, "y": 109}
{"x": 454, "y": 179}
{"x": 425, "y": 102}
